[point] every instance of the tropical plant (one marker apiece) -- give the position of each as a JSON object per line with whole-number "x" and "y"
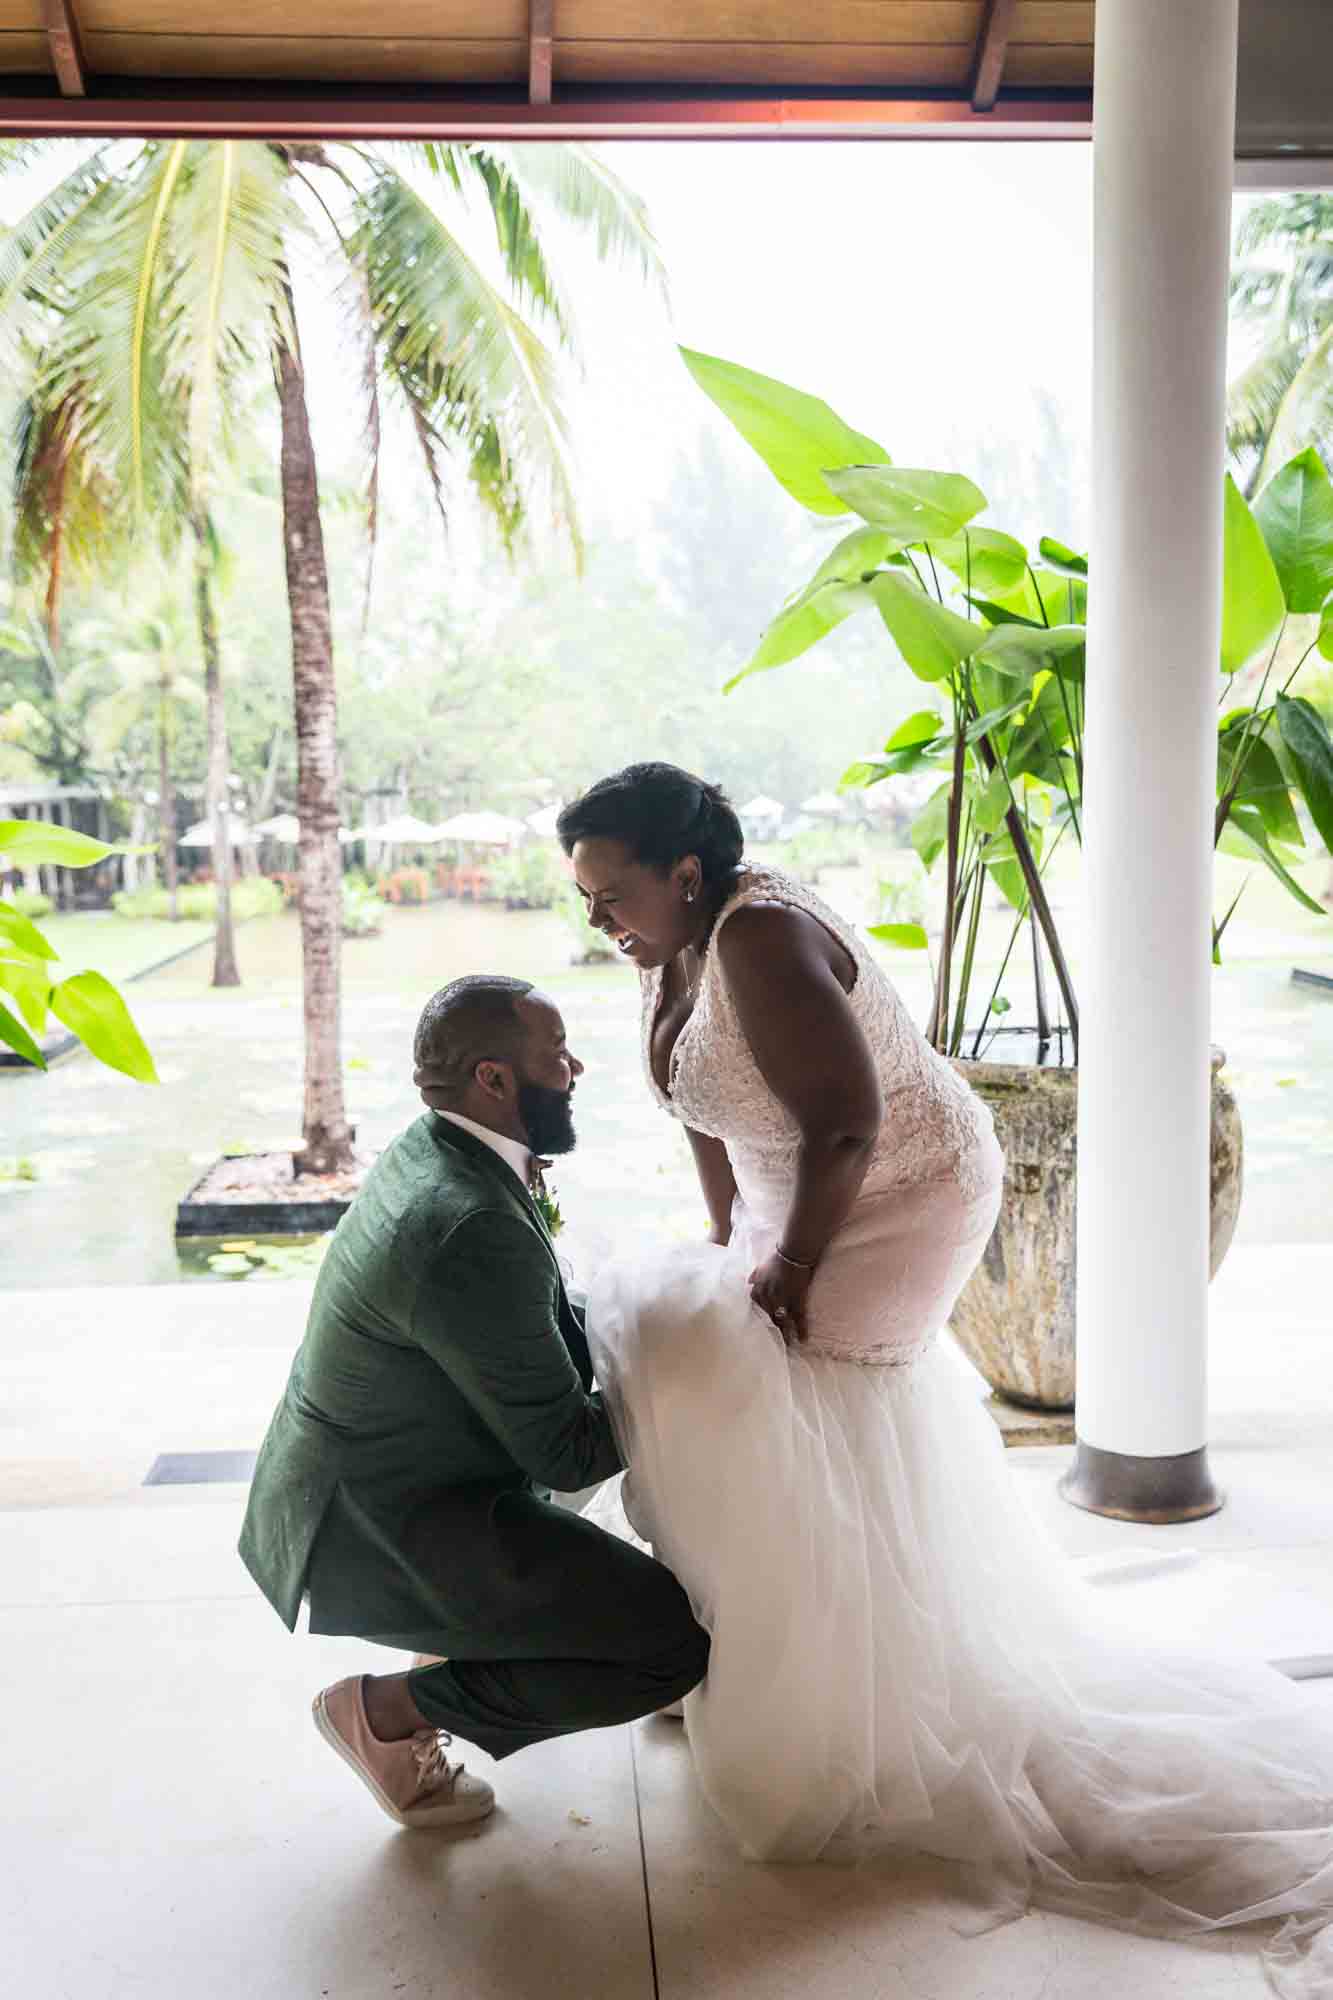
{"x": 86, "y": 1003}
{"x": 1000, "y": 642}
{"x": 363, "y": 910}
{"x": 1282, "y": 283}
{"x": 148, "y": 677}
{"x": 172, "y": 262}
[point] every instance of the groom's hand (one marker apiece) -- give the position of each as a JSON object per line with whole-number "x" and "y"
{"x": 430, "y": 1082}
{"x": 781, "y": 1290}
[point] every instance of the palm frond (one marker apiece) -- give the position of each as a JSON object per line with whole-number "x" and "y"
{"x": 1255, "y": 398}
{"x": 39, "y": 251}
{"x": 585, "y": 193}
{"x": 469, "y": 367}
{"x": 536, "y": 287}
{"x": 1305, "y": 415}
{"x": 226, "y": 271}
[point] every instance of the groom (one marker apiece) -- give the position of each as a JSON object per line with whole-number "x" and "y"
{"x": 442, "y": 1390}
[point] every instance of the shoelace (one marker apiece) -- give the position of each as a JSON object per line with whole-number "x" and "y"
{"x": 433, "y": 1767}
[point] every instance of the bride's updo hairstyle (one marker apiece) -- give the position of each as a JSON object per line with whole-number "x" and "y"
{"x": 660, "y": 814}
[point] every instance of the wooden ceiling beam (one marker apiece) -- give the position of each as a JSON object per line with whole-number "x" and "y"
{"x": 66, "y": 46}
{"x": 541, "y": 32}
{"x": 210, "y": 110}
{"x": 997, "y": 24}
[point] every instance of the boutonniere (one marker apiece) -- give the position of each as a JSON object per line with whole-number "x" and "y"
{"x": 547, "y": 1206}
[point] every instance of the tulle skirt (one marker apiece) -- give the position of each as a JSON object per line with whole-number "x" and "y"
{"x": 902, "y": 1659}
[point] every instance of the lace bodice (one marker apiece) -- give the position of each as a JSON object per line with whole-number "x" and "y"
{"x": 934, "y": 1126}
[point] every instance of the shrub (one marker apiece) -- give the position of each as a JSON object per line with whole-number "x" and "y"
{"x": 531, "y": 878}
{"x": 405, "y": 885}
{"x": 30, "y": 903}
{"x": 252, "y": 896}
{"x": 589, "y": 946}
{"x": 808, "y": 854}
{"x": 363, "y": 911}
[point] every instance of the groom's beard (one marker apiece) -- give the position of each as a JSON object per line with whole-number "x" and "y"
{"x": 548, "y": 1119}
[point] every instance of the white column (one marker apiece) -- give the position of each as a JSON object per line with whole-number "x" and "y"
{"x": 1163, "y": 139}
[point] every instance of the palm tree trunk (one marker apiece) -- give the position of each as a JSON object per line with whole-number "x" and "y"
{"x": 166, "y": 793}
{"x": 327, "y": 1138}
{"x": 225, "y": 969}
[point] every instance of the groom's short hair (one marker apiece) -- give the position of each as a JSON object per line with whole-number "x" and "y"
{"x": 466, "y": 1022}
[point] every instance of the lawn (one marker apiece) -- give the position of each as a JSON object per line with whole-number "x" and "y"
{"x": 121, "y": 947}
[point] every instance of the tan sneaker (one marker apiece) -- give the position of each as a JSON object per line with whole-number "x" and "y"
{"x": 413, "y": 1780}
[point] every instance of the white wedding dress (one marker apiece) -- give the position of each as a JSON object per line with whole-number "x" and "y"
{"x": 900, "y": 1658}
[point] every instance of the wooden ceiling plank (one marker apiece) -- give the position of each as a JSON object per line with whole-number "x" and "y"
{"x": 997, "y": 24}
{"x": 62, "y": 34}
{"x": 541, "y": 34}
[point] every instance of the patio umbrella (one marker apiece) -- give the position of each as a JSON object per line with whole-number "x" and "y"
{"x": 406, "y": 830}
{"x": 543, "y": 822}
{"x": 480, "y": 829}
{"x": 823, "y": 805}
{"x": 282, "y": 826}
{"x": 201, "y": 834}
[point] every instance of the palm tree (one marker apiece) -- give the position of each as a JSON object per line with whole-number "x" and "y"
{"x": 173, "y": 265}
{"x": 1282, "y": 282}
{"x": 150, "y": 661}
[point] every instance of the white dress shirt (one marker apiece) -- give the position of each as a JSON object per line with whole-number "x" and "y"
{"x": 516, "y": 1156}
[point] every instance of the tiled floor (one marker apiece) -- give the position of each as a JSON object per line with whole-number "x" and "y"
{"x": 172, "y": 1824}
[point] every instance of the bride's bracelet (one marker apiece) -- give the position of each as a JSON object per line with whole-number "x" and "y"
{"x": 795, "y": 1262}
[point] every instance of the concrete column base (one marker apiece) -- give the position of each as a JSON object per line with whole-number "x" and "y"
{"x": 1153, "y": 1490}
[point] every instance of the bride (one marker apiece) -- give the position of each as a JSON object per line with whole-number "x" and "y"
{"x": 899, "y": 1657}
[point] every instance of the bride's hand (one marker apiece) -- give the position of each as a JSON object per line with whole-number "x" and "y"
{"x": 781, "y": 1290}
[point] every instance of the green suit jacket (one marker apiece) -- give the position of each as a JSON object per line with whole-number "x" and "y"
{"x": 443, "y": 1368}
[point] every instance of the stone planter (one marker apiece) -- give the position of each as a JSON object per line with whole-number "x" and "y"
{"x": 1015, "y": 1319}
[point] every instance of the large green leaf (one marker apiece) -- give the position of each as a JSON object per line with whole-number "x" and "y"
{"x": 1000, "y": 614}
{"x": 1245, "y": 835}
{"x": 91, "y": 1006}
{"x": 1262, "y": 785}
{"x": 913, "y": 506}
{"x": 933, "y": 641}
{"x": 930, "y": 829}
{"x": 1044, "y": 597}
{"x": 13, "y": 1031}
{"x": 1325, "y": 641}
{"x": 798, "y": 437}
{"x": 1023, "y": 651}
{"x": 1001, "y": 859}
{"x": 912, "y": 744}
{"x": 1037, "y": 742}
{"x": 802, "y": 625}
{"x": 903, "y": 937}
{"x": 990, "y": 803}
{"x": 854, "y": 558}
{"x": 1252, "y": 600}
{"x": 1306, "y": 739}
{"x": 32, "y": 840}
{"x": 23, "y": 935}
{"x": 1059, "y": 556}
{"x": 30, "y": 985}
{"x": 983, "y": 559}
{"x": 920, "y": 728}
{"x": 1295, "y": 516}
